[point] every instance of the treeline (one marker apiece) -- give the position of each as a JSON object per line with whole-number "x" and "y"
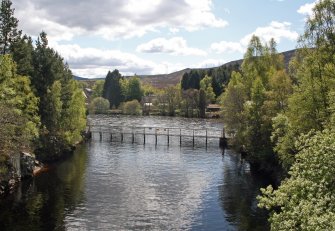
{"x": 287, "y": 119}
{"x": 220, "y": 77}
{"x": 42, "y": 109}
{"x": 197, "y": 89}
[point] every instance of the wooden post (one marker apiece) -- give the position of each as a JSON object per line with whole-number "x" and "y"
{"x": 100, "y": 133}
{"x": 193, "y": 138}
{"x": 121, "y": 135}
{"x": 111, "y": 136}
{"x": 223, "y": 139}
{"x": 133, "y": 136}
{"x": 168, "y": 137}
{"x": 143, "y": 135}
{"x": 180, "y": 136}
{"x": 156, "y": 136}
{"x": 206, "y": 138}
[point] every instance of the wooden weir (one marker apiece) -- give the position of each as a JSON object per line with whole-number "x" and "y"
{"x": 118, "y": 133}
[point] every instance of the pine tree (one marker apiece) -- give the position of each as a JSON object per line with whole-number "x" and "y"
{"x": 8, "y": 26}
{"x": 112, "y": 88}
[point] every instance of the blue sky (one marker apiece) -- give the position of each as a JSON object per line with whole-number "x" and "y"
{"x": 159, "y": 36}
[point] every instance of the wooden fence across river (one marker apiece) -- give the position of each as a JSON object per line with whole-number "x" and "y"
{"x": 119, "y": 133}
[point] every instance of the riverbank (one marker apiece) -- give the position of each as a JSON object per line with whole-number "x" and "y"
{"x": 16, "y": 168}
{"x": 26, "y": 166}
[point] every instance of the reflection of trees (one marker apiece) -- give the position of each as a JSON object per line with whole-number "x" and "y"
{"x": 238, "y": 193}
{"x": 47, "y": 198}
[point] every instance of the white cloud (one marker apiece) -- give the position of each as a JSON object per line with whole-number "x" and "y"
{"x": 230, "y": 47}
{"x": 275, "y": 30}
{"x": 93, "y": 62}
{"x": 174, "y": 46}
{"x": 307, "y": 9}
{"x": 113, "y": 19}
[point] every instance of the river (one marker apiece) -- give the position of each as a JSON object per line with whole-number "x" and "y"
{"x": 130, "y": 186}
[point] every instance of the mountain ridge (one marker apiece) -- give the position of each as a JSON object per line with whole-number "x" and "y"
{"x": 171, "y": 79}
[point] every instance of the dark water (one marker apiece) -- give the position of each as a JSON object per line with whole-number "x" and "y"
{"x": 124, "y": 186}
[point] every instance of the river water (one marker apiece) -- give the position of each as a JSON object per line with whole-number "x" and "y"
{"x": 130, "y": 186}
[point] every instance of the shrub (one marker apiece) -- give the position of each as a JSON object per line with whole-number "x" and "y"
{"x": 131, "y": 108}
{"x": 99, "y": 105}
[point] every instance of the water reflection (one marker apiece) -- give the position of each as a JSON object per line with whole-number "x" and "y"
{"x": 42, "y": 203}
{"x": 238, "y": 194}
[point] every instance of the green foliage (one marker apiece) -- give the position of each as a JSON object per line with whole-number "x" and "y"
{"x": 313, "y": 69}
{"x": 135, "y": 90}
{"x": 62, "y": 104}
{"x": 131, "y": 108}
{"x": 19, "y": 105}
{"x": 206, "y": 85}
{"x": 306, "y": 200}
{"x": 98, "y": 88}
{"x": 191, "y": 80}
{"x": 202, "y": 103}
{"x": 232, "y": 101}
{"x": 99, "y": 105}
{"x": 112, "y": 89}
{"x": 148, "y": 89}
{"x": 190, "y": 103}
{"x": 253, "y": 98}
{"x": 22, "y": 52}
{"x": 283, "y": 136}
{"x": 8, "y": 26}
{"x": 73, "y": 120}
{"x": 168, "y": 100}
{"x": 132, "y": 89}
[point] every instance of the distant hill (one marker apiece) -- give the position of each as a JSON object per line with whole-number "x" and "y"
{"x": 164, "y": 80}
{"x": 79, "y": 78}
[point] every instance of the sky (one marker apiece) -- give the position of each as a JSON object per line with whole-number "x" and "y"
{"x": 159, "y": 36}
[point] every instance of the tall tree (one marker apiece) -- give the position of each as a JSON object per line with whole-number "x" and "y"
{"x": 8, "y": 26}
{"x": 62, "y": 106}
{"x": 112, "y": 88}
{"x": 202, "y": 103}
{"x": 98, "y": 88}
{"x": 313, "y": 71}
{"x": 134, "y": 89}
{"x": 20, "y": 115}
{"x": 22, "y": 52}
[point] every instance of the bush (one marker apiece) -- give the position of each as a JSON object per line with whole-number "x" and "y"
{"x": 99, "y": 105}
{"x": 131, "y": 108}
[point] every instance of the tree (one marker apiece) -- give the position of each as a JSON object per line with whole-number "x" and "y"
{"x": 112, "y": 88}
{"x": 131, "y": 108}
{"x": 99, "y": 105}
{"x": 206, "y": 85}
{"x": 309, "y": 107}
{"x": 190, "y": 102}
{"x": 98, "y": 88}
{"x": 134, "y": 89}
{"x": 18, "y": 97}
{"x": 62, "y": 106}
{"x": 232, "y": 101}
{"x": 22, "y": 52}
{"x": 8, "y": 26}
{"x": 305, "y": 201}
{"x": 202, "y": 103}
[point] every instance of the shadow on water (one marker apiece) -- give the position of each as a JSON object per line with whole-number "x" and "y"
{"x": 42, "y": 203}
{"x": 238, "y": 192}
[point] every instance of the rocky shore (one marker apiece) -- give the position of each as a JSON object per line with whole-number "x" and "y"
{"x": 18, "y": 167}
